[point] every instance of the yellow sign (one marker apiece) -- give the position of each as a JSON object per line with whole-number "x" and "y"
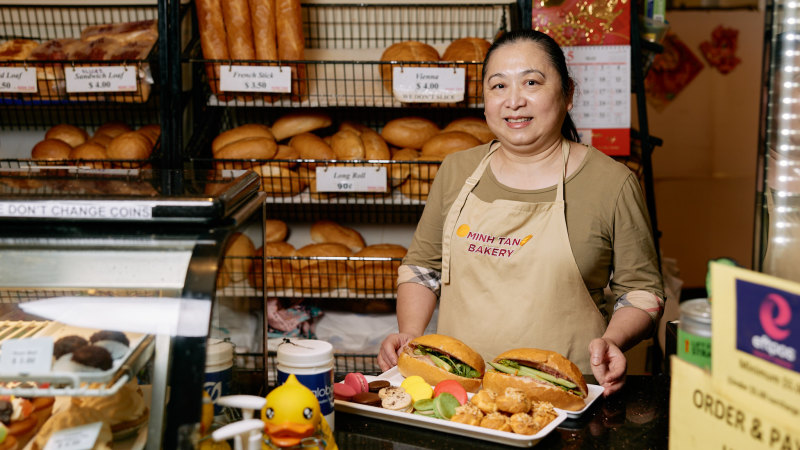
{"x": 702, "y": 418}
{"x": 755, "y": 340}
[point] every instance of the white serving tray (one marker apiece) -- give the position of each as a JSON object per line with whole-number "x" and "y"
{"x": 394, "y": 377}
{"x": 595, "y": 391}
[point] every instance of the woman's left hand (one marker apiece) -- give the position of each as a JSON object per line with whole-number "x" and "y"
{"x": 609, "y": 365}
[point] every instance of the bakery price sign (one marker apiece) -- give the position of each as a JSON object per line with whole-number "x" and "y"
{"x": 101, "y": 79}
{"x": 428, "y": 84}
{"x": 351, "y": 179}
{"x": 18, "y": 79}
{"x": 255, "y": 79}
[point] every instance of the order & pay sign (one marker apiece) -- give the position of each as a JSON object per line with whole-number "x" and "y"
{"x": 751, "y": 398}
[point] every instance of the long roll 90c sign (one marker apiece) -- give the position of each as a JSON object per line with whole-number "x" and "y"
{"x": 775, "y": 335}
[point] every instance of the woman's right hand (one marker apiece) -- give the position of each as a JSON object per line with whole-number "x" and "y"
{"x": 387, "y": 358}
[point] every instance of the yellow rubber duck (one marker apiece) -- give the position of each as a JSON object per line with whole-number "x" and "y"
{"x": 292, "y": 418}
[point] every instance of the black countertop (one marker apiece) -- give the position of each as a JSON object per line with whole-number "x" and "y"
{"x": 635, "y": 418}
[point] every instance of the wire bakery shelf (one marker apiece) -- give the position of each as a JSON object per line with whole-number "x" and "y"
{"x": 344, "y": 42}
{"x": 317, "y": 277}
{"x": 59, "y": 42}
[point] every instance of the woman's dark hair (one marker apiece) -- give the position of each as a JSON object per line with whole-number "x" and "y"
{"x": 557, "y": 59}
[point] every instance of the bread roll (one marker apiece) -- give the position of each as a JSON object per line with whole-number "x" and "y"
{"x": 308, "y": 174}
{"x": 213, "y": 39}
{"x": 379, "y": 251}
{"x": 375, "y": 146}
{"x": 319, "y": 275}
{"x": 287, "y": 153}
{"x": 347, "y": 145}
{"x": 152, "y": 132}
{"x": 275, "y": 230}
{"x": 51, "y": 150}
{"x": 236, "y": 15}
{"x": 249, "y": 130}
{"x": 426, "y": 167}
{"x": 279, "y": 181}
{"x": 448, "y": 142}
{"x": 101, "y": 139}
{"x": 248, "y": 148}
{"x": 326, "y": 231}
{"x": 92, "y": 152}
{"x": 291, "y": 43}
{"x": 401, "y": 170}
{"x": 415, "y": 189}
{"x": 472, "y": 125}
{"x": 469, "y": 49}
{"x": 70, "y": 134}
{"x": 131, "y": 146}
{"x": 262, "y": 16}
{"x": 238, "y": 256}
{"x": 409, "y": 132}
{"x": 311, "y": 146}
{"x": 405, "y": 51}
{"x": 277, "y": 273}
{"x": 112, "y": 129}
{"x": 296, "y": 123}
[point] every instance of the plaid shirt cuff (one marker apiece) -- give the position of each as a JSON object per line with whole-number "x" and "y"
{"x": 430, "y": 278}
{"x": 643, "y": 300}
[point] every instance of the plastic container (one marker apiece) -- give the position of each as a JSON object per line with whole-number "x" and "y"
{"x": 219, "y": 370}
{"x": 694, "y": 333}
{"x": 311, "y": 361}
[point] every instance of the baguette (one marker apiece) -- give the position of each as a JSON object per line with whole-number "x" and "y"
{"x": 213, "y": 39}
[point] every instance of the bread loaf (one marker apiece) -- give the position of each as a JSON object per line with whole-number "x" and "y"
{"x": 234, "y": 134}
{"x": 17, "y": 49}
{"x": 469, "y": 49}
{"x": 448, "y": 142}
{"x": 262, "y": 15}
{"x": 296, "y": 123}
{"x": 70, "y": 134}
{"x": 291, "y": 43}
{"x": 236, "y": 16}
{"x": 409, "y": 132}
{"x": 472, "y": 125}
{"x": 326, "y": 231}
{"x": 50, "y": 77}
{"x": 124, "y": 32}
{"x": 213, "y": 39}
{"x": 408, "y": 51}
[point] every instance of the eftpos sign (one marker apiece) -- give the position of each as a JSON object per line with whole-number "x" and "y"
{"x": 768, "y": 323}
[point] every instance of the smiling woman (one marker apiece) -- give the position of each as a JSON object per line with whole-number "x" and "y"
{"x": 567, "y": 219}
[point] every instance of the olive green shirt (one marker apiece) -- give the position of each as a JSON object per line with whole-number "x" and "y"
{"x": 607, "y": 221}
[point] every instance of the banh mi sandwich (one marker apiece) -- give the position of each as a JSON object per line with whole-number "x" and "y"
{"x": 436, "y": 357}
{"x": 544, "y": 375}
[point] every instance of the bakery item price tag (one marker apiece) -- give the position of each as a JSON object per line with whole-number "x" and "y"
{"x": 351, "y": 179}
{"x": 76, "y": 438}
{"x": 18, "y": 79}
{"x": 101, "y": 79}
{"x": 255, "y": 79}
{"x": 31, "y": 355}
{"x": 428, "y": 84}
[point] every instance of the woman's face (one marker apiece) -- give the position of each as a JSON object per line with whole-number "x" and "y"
{"x": 524, "y": 103}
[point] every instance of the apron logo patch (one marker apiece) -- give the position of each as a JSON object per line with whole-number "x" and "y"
{"x": 464, "y": 231}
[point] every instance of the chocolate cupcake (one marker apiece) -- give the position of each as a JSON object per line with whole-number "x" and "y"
{"x": 68, "y": 344}
{"x": 108, "y": 335}
{"x": 92, "y": 356}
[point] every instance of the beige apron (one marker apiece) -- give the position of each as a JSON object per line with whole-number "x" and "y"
{"x": 509, "y": 278}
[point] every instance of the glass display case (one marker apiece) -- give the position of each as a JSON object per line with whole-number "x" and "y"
{"x": 777, "y": 230}
{"x": 125, "y": 250}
